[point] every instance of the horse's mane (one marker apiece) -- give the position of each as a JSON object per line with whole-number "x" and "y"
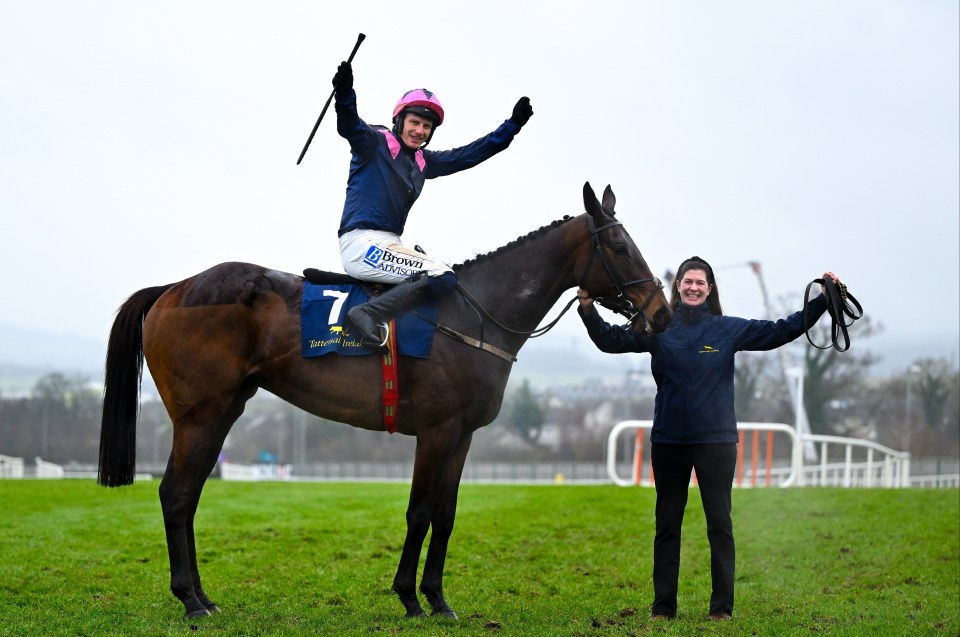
{"x": 530, "y": 235}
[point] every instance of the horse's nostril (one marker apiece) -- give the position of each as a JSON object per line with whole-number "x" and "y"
{"x": 662, "y": 317}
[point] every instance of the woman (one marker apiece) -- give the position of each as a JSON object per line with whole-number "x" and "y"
{"x": 694, "y": 425}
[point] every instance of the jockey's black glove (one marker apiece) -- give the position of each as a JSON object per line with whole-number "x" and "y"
{"x": 343, "y": 79}
{"x": 522, "y": 112}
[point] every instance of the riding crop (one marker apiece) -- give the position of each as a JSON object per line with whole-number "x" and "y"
{"x": 303, "y": 152}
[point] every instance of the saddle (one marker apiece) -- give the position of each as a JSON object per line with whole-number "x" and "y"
{"x": 322, "y": 277}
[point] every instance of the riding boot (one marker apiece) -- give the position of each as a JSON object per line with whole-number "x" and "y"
{"x": 368, "y": 317}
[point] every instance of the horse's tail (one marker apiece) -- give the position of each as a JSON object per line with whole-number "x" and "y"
{"x": 121, "y": 390}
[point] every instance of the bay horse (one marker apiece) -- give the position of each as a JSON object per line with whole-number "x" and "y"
{"x": 212, "y": 340}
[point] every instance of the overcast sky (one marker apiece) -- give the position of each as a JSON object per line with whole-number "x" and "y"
{"x": 143, "y": 142}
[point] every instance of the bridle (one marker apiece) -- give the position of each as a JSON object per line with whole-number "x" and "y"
{"x": 619, "y": 304}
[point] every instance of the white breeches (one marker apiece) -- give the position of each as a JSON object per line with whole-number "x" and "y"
{"x": 375, "y": 255}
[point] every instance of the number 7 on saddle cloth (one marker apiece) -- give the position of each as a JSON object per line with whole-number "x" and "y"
{"x": 322, "y": 312}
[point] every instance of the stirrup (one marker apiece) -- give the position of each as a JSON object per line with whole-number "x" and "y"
{"x": 385, "y": 331}
{"x": 372, "y": 343}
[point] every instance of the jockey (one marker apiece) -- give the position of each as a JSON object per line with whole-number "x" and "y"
{"x": 387, "y": 172}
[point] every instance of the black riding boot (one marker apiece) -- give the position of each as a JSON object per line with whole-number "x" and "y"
{"x": 366, "y": 318}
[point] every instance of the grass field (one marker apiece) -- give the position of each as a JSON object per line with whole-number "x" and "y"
{"x": 318, "y": 559}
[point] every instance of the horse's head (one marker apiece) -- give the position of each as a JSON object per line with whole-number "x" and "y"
{"x": 616, "y": 274}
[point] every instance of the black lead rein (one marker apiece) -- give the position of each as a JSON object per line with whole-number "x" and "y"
{"x": 840, "y": 305}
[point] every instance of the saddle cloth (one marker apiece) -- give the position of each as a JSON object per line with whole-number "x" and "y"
{"x": 324, "y": 308}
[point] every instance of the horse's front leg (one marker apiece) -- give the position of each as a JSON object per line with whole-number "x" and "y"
{"x": 444, "y": 514}
{"x": 434, "y": 449}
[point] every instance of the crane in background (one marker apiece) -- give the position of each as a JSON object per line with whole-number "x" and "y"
{"x": 792, "y": 374}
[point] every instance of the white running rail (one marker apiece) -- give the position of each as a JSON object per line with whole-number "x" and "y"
{"x": 11, "y": 467}
{"x": 865, "y": 463}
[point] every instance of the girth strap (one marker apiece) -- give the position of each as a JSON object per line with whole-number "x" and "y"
{"x": 391, "y": 384}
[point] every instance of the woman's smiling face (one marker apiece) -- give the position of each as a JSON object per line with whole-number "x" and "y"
{"x": 693, "y": 287}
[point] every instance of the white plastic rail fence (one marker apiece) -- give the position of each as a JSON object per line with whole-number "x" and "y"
{"x": 864, "y": 463}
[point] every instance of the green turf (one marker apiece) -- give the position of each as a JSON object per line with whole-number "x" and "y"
{"x": 318, "y": 559}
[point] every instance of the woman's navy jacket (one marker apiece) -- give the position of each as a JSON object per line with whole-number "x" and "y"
{"x": 692, "y": 364}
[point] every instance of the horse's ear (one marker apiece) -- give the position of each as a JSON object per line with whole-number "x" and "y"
{"x": 609, "y": 200}
{"x": 590, "y": 201}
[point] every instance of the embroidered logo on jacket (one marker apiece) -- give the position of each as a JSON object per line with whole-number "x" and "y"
{"x": 708, "y": 349}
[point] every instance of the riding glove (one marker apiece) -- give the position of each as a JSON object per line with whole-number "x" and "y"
{"x": 343, "y": 79}
{"x": 522, "y": 112}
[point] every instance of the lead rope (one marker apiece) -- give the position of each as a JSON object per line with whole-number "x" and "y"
{"x": 840, "y": 306}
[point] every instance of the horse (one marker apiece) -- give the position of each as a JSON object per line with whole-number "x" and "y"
{"x": 212, "y": 340}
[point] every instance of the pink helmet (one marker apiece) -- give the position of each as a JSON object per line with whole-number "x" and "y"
{"x": 422, "y": 102}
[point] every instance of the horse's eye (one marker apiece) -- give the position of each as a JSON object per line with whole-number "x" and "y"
{"x": 621, "y": 250}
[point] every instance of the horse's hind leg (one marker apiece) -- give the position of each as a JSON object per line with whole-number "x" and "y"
{"x": 435, "y": 448}
{"x": 179, "y": 496}
{"x": 196, "y": 445}
{"x": 444, "y": 513}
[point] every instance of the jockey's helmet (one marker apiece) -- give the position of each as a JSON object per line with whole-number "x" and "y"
{"x": 421, "y": 102}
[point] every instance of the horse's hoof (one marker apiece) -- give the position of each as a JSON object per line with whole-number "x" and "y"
{"x": 203, "y": 612}
{"x": 448, "y": 613}
{"x": 409, "y": 600}
{"x": 439, "y": 605}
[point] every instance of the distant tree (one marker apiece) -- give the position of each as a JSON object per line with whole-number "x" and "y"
{"x": 834, "y": 379}
{"x": 935, "y": 389}
{"x": 754, "y": 380}
{"x": 525, "y": 415}
{"x": 925, "y": 430}
{"x": 16, "y": 439}
{"x": 63, "y": 414}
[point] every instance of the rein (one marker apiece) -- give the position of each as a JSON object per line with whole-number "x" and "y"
{"x": 482, "y": 312}
{"x": 540, "y": 331}
{"x": 840, "y": 304}
{"x": 620, "y": 304}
